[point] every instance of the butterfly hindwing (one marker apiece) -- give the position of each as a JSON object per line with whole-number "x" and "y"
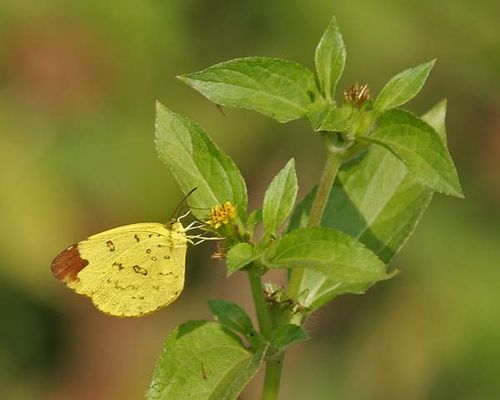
{"x": 127, "y": 271}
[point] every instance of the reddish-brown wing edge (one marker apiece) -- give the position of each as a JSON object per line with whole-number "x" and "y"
{"x": 68, "y": 264}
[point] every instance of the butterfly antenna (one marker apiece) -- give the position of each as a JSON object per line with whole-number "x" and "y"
{"x": 221, "y": 110}
{"x": 181, "y": 203}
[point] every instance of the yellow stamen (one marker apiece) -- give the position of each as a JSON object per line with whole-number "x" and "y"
{"x": 221, "y": 215}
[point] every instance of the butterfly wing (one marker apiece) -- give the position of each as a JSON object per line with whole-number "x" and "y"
{"x": 127, "y": 271}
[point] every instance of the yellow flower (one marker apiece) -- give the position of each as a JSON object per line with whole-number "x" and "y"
{"x": 221, "y": 215}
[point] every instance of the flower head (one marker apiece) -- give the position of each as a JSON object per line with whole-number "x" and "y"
{"x": 221, "y": 215}
{"x": 357, "y": 94}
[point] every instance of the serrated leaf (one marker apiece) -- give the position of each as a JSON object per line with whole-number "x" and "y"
{"x": 239, "y": 256}
{"x": 330, "y": 59}
{"x": 203, "y": 361}
{"x": 280, "y": 198}
{"x": 281, "y": 89}
{"x": 287, "y": 334}
{"x": 231, "y": 316}
{"x": 377, "y": 201}
{"x": 403, "y": 87}
{"x": 332, "y": 253}
{"x": 420, "y": 148}
{"x": 195, "y": 161}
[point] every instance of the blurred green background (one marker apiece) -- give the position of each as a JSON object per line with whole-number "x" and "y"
{"x": 78, "y": 81}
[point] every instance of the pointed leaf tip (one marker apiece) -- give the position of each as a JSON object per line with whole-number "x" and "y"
{"x": 436, "y": 117}
{"x": 330, "y": 59}
{"x": 403, "y": 87}
{"x": 196, "y": 161}
{"x": 280, "y": 198}
{"x": 231, "y": 316}
{"x": 158, "y": 105}
{"x": 420, "y": 148}
{"x": 281, "y": 89}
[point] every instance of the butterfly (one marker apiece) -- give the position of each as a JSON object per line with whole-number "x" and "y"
{"x": 131, "y": 270}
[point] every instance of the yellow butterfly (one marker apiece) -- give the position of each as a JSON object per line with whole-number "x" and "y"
{"x": 131, "y": 270}
{"x": 127, "y": 271}
{"x": 135, "y": 269}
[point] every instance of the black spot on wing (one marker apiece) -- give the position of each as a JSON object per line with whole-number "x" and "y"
{"x": 118, "y": 265}
{"x": 139, "y": 270}
{"x": 111, "y": 245}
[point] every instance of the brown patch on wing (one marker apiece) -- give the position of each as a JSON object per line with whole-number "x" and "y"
{"x": 68, "y": 264}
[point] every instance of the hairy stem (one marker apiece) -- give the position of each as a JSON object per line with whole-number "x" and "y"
{"x": 332, "y": 165}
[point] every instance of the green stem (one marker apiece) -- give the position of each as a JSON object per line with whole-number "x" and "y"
{"x": 273, "y": 367}
{"x": 261, "y": 308}
{"x": 332, "y": 165}
{"x": 272, "y": 378}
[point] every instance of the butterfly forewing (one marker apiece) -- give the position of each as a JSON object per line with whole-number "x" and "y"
{"x": 126, "y": 271}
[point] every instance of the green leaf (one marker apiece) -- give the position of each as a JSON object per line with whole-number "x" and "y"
{"x": 278, "y": 88}
{"x": 330, "y": 59}
{"x": 253, "y": 220}
{"x": 332, "y": 253}
{"x": 300, "y": 215}
{"x": 319, "y": 290}
{"x": 363, "y": 122}
{"x": 403, "y": 87}
{"x": 280, "y": 198}
{"x": 232, "y": 316}
{"x": 420, "y": 148}
{"x": 203, "y": 361}
{"x": 287, "y": 334}
{"x": 240, "y": 256}
{"x": 337, "y": 119}
{"x": 377, "y": 201}
{"x": 195, "y": 161}
{"x": 436, "y": 118}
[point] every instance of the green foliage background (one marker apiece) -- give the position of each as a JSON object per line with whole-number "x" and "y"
{"x": 78, "y": 83}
